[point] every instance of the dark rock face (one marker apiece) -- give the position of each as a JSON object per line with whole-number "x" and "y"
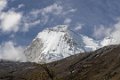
{"x": 102, "y": 64}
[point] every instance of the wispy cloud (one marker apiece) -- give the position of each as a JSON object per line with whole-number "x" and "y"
{"x": 78, "y": 26}
{"x": 54, "y": 9}
{"x": 72, "y": 10}
{"x": 44, "y": 15}
{"x": 21, "y": 5}
{"x": 29, "y": 25}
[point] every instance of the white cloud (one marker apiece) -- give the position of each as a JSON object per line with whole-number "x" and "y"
{"x": 110, "y": 35}
{"x": 90, "y": 43}
{"x": 67, "y": 21}
{"x": 3, "y": 4}
{"x": 78, "y": 27}
{"x": 9, "y": 51}
{"x": 10, "y": 21}
{"x": 101, "y": 32}
{"x": 115, "y": 34}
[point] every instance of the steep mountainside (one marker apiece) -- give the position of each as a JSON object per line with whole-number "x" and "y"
{"x": 57, "y": 43}
{"x": 102, "y": 64}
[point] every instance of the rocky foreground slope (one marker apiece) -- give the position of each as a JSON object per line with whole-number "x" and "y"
{"x": 102, "y": 64}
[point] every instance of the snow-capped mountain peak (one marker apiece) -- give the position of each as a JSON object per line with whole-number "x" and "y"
{"x": 56, "y": 43}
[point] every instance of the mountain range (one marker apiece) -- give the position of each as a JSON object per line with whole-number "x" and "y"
{"x": 57, "y": 43}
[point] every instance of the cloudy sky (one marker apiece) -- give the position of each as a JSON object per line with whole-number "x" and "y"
{"x": 21, "y": 20}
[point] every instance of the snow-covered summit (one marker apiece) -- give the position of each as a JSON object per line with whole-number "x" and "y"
{"x": 58, "y": 28}
{"x": 57, "y": 43}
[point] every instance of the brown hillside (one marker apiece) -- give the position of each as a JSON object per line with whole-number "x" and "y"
{"x": 102, "y": 64}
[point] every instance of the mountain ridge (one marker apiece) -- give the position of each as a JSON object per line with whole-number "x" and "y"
{"x": 102, "y": 64}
